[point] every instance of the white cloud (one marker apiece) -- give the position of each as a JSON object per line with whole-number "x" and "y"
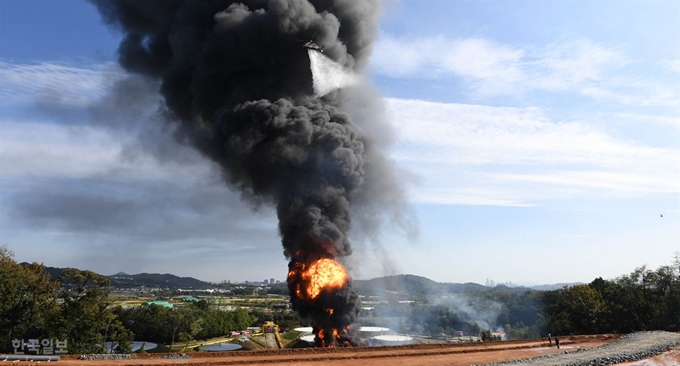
{"x": 489, "y": 68}
{"x": 71, "y": 85}
{"x": 672, "y": 65}
{"x": 469, "y": 154}
{"x": 31, "y": 150}
{"x": 565, "y": 65}
{"x": 489, "y": 64}
{"x": 467, "y": 195}
{"x": 618, "y": 181}
{"x": 655, "y": 119}
{"x": 478, "y": 60}
{"x": 516, "y": 156}
{"x": 636, "y": 90}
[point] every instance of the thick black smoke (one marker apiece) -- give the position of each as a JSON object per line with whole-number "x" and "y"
{"x": 236, "y": 77}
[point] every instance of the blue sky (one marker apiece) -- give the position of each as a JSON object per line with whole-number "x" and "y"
{"x": 540, "y": 143}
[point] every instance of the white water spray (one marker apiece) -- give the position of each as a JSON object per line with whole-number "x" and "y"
{"x": 328, "y": 75}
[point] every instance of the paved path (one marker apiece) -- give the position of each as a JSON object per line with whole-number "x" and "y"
{"x": 271, "y": 341}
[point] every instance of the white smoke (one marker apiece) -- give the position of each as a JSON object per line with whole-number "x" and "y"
{"x": 328, "y": 75}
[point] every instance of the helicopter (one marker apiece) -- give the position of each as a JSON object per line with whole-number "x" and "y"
{"x": 313, "y": 46}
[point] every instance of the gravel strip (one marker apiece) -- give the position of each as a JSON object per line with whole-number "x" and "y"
{"x": 114, "y": 356}
{"x": 109, "y": 357}
{"x": 631, "y": 347}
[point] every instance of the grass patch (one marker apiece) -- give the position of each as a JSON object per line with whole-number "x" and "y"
{"x": 259, "y": 340}
{"x": 290, "y": 335}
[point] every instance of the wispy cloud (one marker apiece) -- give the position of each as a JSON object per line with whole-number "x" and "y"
{"x": 52, "y": 151}
{"x": 95, "y": 167}
{"x": 470, "y": 154}
{"x": 68, "y": 84}
{"x": 489, "y": 68}
{"x": 515, "y": 156}
{"x": 634, "y": 90}
{"x": 671, "y": 65}
{"x": 673, "y": 121}
{"x": 492, "y": 67}
{"x": 565, "y": 65}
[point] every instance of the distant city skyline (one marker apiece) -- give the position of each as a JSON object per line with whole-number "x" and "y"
{"x": 539, "y": 142}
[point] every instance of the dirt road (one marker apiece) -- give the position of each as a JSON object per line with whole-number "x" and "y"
{"x": 412, "y": 355}
{"x": 271, "y": 341}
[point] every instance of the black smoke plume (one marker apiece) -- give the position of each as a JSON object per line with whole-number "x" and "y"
{"x": 236, "y": 79}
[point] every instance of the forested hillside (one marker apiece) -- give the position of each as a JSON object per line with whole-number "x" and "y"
{"x": 76, "y": 306}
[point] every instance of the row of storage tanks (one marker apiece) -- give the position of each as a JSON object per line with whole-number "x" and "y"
{"x": 376, "y": 336}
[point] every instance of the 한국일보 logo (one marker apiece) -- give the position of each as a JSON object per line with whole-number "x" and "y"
{"x": 45, "y": 346}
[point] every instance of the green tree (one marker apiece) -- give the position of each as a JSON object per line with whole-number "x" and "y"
{"x": 641, "y": 300}
{"x": 613, "y": 309}
{"x": 486, "y": 336}
{"x": 86, "y": 318}
{"x": 190, "y": 334}
{"x": 121, "y": 337}
{"x": 242, "y": 319}
{"x": 141, "y": 349}
{"x": 578, "y": 310}
{"x": 153, "y": 323}
{"x": 633, "y": 301}
{"x": 26, "y": 300}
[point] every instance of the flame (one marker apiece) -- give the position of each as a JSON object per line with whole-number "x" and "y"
{"x": 324, "y": 274}
{"x": 307, "y": 281}
{"x": 329, "y": 342}
{"x": 320, "y": 335}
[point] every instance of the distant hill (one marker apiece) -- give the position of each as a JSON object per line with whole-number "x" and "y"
{"x": 417, "y": 285}
{"x": 399, "y": 283}
{"x": 402, "y": 284}
{"x": 555, "y": 286}
{"x": 124, "y": 280}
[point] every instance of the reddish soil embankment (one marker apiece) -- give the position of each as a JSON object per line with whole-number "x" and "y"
{"x": 411, "y": 355}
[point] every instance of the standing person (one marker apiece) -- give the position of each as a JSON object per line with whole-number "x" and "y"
{"x": 549, "y": 340}
{"x": 557, "y": 342}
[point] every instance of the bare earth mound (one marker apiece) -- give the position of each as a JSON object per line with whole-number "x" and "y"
{"x": 411, "y": 355}
{"x": 422, "y": 354}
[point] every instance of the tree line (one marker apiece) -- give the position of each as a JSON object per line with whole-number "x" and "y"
{"x": 160, "y": 324}
{"x": 76, "y": 307}
{"x": 642, "y": 300}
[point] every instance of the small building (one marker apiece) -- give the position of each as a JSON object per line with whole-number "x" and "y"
{"x": 499, "y": 335}
{"x": 189, "y": 299}
{"x": 159, "y": 303}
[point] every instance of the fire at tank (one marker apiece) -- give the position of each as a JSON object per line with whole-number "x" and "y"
{"x": 237, "y": 86}
{"x": 320, "y": 290}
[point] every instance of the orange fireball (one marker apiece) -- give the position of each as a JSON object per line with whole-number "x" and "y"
{"x": 324, "y": 274}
